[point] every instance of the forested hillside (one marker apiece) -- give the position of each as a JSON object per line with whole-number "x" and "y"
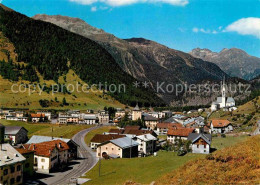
{"x": 52, "y": 51}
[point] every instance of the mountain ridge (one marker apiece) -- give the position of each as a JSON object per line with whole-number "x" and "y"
{"x": 144, "y": 59}
{"x": 234, "y": 61}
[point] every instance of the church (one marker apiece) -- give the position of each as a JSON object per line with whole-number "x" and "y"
{"x": 223, "y": 102}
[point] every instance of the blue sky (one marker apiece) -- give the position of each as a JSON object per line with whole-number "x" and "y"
{"x": 178, "y": 24}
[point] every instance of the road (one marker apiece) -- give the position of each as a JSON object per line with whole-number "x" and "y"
{"x": 87, "y": 160}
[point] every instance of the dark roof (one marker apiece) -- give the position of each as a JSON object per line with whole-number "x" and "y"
{"x": 170, "y": 120}
{"x": 195, "y": 136}
{"x": 118, "y": 131}
{"x": 132, "y": 127}
{"x": 99, "y": 138}
{"x": 168, "y": 125}
{"x": 13, "y": 130}
{"x": 148, "y": 117}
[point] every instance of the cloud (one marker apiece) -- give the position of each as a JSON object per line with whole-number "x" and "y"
{"x": 93, "y": 9}
{"x": 115, "y": 3}
{"x": 245, "y": 26}
{"x": 202, "y": 30}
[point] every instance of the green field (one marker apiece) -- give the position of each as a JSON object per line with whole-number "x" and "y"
{"x": 80, "y": 100}
{"x": 149, "y": 169}
{"x": 101, "y": 130}
{"x": 219, "y": 142}
{"x": 48, "y": 129}
{"x": 141, "y": 170}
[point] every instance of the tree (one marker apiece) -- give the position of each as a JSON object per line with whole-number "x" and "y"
{"x": 64, "y": 102}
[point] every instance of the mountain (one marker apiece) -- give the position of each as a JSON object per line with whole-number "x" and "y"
{"x": 144, "y": 59}
{"x": 235, "y": 62}
{"x": 46, "y": 50}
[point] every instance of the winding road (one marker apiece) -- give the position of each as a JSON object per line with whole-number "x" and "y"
{"x": 87, "y": 160}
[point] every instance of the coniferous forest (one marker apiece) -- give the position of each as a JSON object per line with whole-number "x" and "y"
{"x": 53, "y": 51}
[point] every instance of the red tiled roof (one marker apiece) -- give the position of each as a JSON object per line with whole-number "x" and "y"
{"x": 37, "y": 115}
{"x": 44, "y": 148}
{"x": 220, "y": 123}
{"x": 99, "y": 138}
{"x": 24, "y": 151}
{"x": 184, "y": 132}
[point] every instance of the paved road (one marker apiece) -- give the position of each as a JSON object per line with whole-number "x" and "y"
{"x": 87, "y": 161}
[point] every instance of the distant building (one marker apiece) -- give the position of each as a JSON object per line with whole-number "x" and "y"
{"x": 16, "y": 134}
{"x": 162, "y": 128}
{"x": 103, "y": 117}
{"x": 89, "y": 119}
{"x": 220, "y": 126}
{"x": 136, "y": 113}
{"x": 147, "y": 144}
{"x": 100, "y": 138}
{"x": 46, "y": 114}
{"x": 118, "y": 148}
{"x": 150, "y": 121}
{"x": 120, "y": 113}
{"x": 37, "y": 118}
{"x": 223, "y": 101}
{"x": 200, "y": 142}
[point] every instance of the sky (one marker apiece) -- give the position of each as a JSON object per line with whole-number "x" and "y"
{"x": 178, "y": 24}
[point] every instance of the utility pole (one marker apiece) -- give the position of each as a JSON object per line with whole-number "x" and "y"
{"x": 99, "y": 164}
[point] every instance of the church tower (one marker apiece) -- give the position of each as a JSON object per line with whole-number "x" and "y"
{"x": 136, "y": 113}
{"x": 223, "y": 103}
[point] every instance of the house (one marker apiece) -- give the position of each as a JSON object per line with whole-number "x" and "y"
{"x": 36, "y": 118}
{"x": 200, "y": 142}
{"x": 100, "y": 138}
{"x": 150, "y": 121}
{"x": 47, "y": 114}
{"x": 147, "y": 144}
{"x": 123, "y": 147}
{"x": 136, "y": 113}
{"x": 16, "y": 134}
{"x": 89, "y": 119}
{"x": 73, "y": 147}
{"x": 68, "y": 119}
{"x": 103, "y": 117}
{"x": 28, "y": 166}
{"x": 179, "y": 133}
{"x": 120, "y": 113}
{"x": 220, "y": 126}
{"x": 49, "y": 155}
{"x": 11, "y": 165}
{"x": 162, "y": 128}
{"x": 13, "y": 118}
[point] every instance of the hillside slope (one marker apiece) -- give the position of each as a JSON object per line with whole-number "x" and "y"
{"x": 144, "y": 59}
{"x": 53, "y": 51}
{"x": 235, "y": 62}
{"x": 239, "y": 164}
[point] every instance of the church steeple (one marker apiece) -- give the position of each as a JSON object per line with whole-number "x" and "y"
{"x": 223, "y": 88}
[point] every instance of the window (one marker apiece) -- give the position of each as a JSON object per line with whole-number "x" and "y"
{"x": 5, "y": 171}
{"x": 12, "y": 169}
{"x": 43, "y": 167}
{"x": 5, "y": 183}
{"x": 12, "y": 181}
{"x": 18, "y": 179}
{"x": 19, "y": 168}
{"x": 205, "y": 146}
{"x": 198, "y": 146}
{"x": 43, "y": 160}
{"x": 205, "y": 151}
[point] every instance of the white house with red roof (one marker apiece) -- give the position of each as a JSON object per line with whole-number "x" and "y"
{"x": 220, "y": 126}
